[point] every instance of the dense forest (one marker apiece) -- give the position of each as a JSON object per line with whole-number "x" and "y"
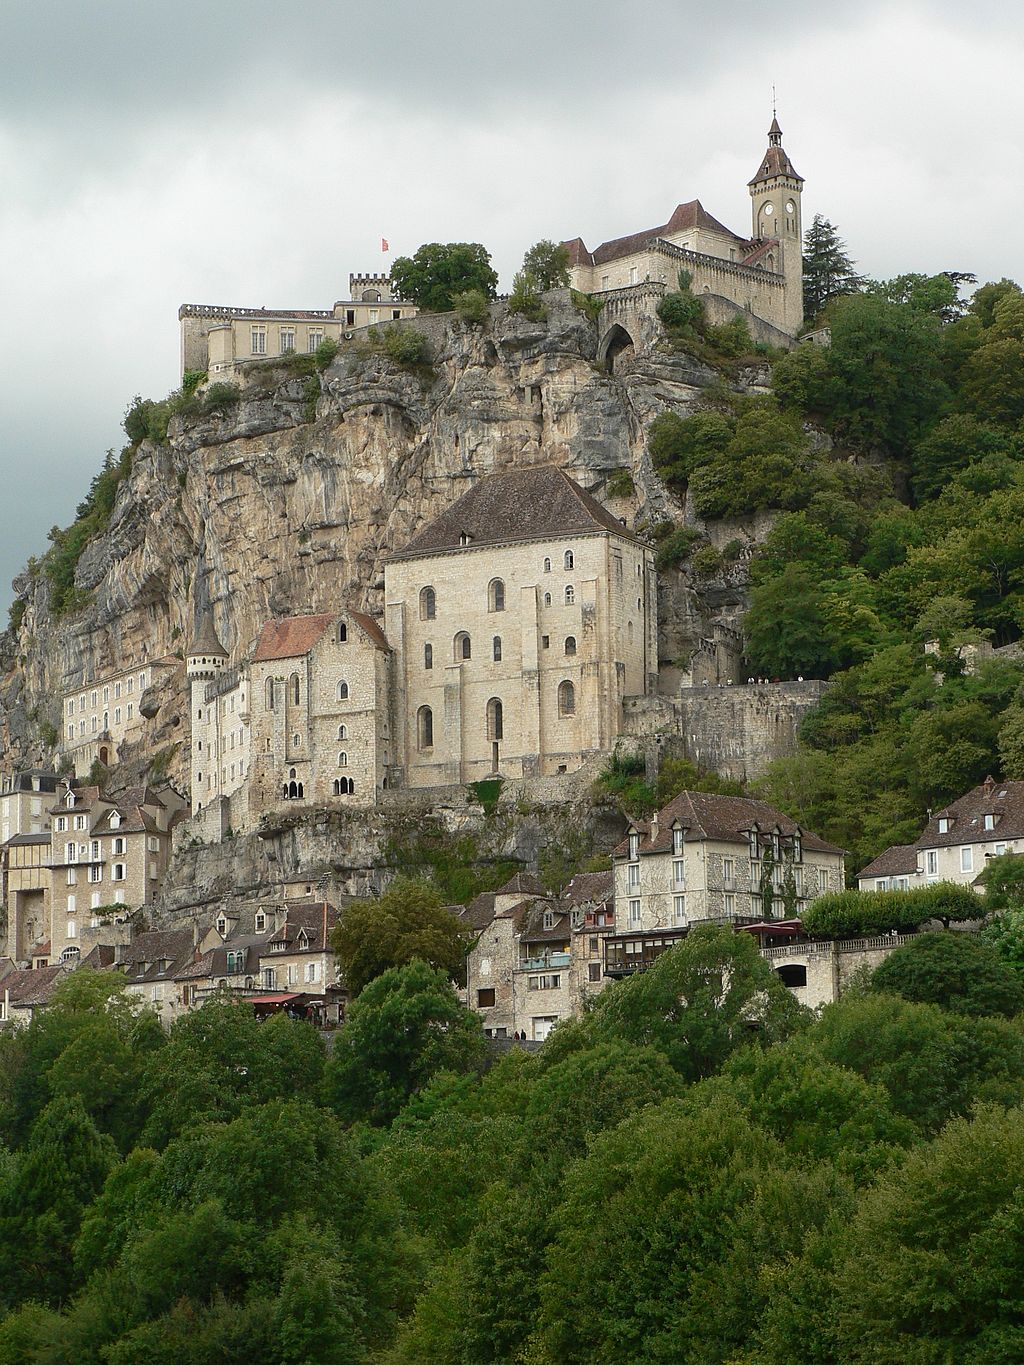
{"x": 698, "y": 1170}
{"x": 895, "y": 459}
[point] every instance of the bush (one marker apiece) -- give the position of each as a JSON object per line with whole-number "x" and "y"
{"x": 525, "y": 297}
{"x": 959, "y": 972}
{"x": 586, "y": 303}
{"x": 405, "y": 347}
{"x": 706, "y": 562}
{"x": 675, "y": 547}
{"x": 620, "y": 484}
{"x": 680, "y": 313}
{"x": 472, "y": 305}
{"x": 16, "y": 614}
{"x": 191, "y": 380}
{"x": 851, "y": 914}
{"x": 325, "y": 353}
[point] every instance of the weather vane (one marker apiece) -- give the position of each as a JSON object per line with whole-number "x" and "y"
{"x": 775, "y": 112}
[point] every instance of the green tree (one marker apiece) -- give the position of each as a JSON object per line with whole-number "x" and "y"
{"x": 960, "y": 972}
{"x": 408, "y": 921}
{"x": 438, "y": 270}
{"x": 956, "y": 443}
{"x": 548, "y": 263}
{"x": 406, "y": 1026}
{"x": 829, "y": 271}
{"x": 786, "y": 630}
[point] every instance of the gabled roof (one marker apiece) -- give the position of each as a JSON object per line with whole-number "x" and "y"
{"x": 684, "y": 217}
{"x": 705, "y": 815}
{"x": 173, "y": 946}
{"x": 306, "y": 929}
{"x": 589, "y": 886}
{"x": 898, "y": 861}
{"x": 479, "y": 913}
{"x": 540, "y": 502}
{"x": 291, "y": 637}
{"x": 1002, "y": 800}
{"x": 31, "y": 986}
{"x": 371, "y": 629}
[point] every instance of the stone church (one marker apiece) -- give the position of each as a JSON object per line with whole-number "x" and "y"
{"x": 515, "y": 625}
{"x": 761, "y": 275}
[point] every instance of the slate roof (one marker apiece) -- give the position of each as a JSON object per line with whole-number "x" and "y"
{"x": 705, "y": 815}
{"x": 291, "y": 637}
{"x": 173, "y": 946}
{"x": 589, "y": 886}
{"x": 775, "y": 162}
{"x": 684, "y": 217}
{"x": 206, "y": 641}
{"x": 898, "y": 861}
{"x": 314, "y": 919}
{"x": 22, "y": 782}
{"x": 479, "y": 912}
{"x": 529, "y": 921}
{"x": 42, "y": 838}
{"x": 31, "y": 986}
{"x": 535, "y": 503}
{"x": 522, "y": 884}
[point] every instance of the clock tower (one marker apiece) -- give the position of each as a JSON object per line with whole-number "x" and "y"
{"x": 775, "y": 212}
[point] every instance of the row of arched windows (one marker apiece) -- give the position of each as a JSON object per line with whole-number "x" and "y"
{"x": 494, "y": 716}
{"x": 495, "y": 593}
{"x": 343, "y": 786}
{"x": 462, "y": 649}
{"x": 294, "y": 692}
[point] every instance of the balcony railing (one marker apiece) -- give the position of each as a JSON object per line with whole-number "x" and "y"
{"x": 634, "y": 953}
{"x": 545, "y": 961}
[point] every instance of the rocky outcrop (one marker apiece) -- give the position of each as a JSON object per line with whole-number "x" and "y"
{"x": 262, "y": 508}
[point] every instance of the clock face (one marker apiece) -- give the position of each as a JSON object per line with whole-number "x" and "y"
{"x": 769, "y": 209}
{"x": 790, "y": 206}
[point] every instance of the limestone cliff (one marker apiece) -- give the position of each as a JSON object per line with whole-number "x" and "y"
{"x": 263, "y": 507}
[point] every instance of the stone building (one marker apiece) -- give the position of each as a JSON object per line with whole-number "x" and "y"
{"x": 214, "y": 337}
{"x": 520, "y": 619}
{"x": 219, "y": 706}
{"x": 105, "y": 851}
{"x": 703, "y": 857}
{"x": 320, "y": 723}
{"x": 25, "y": 800}
{"x": 151, "y": 962}
{"x": 99, "y": 716}
{"x": 24, "y": 992}
{"x": 26, "y": 893}
{"x": 760, "y": 274}
{"x": 956, "y": 843}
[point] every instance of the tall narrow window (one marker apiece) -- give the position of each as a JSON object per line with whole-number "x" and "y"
{"x": 570, "y": 562}
{"x": 343, "y": 759}
{"x": 570, "y": 645}
{"x": 294, "y": 686}
{"x": 496, "y": 595}
{"x": 570, "y": 595}
{"x": 428, "y": 656}
{"x": 270, "y": 694}
{"x": 342, "y": 632}
{"x": 343, "y": 691}
{"x": 424, "y": 728}
{"x": 566, "y": 699}
{"x": 547, "y": 565}
{"x": 495, "y": 720}
{"x": 428, "y": 604}
{"x": 343, "y": 732}
{"x": 496, "y": 648}
{"x": 463, "y": 646}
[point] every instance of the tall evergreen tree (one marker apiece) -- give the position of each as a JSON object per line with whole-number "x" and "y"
{"x": 828, "y": 269}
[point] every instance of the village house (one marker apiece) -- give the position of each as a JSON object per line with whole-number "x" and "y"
{"x": 25, "y": 991}
{"x": 957, "y": 841}
{"x": 703, "y": 857}
{"x": 25, "y": 800}
{"x": 25, "y": 863}
{"x": 151, "y": 963}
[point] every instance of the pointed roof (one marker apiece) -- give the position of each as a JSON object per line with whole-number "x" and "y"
{"x": 692, "y": 214}
{"x": 205, "y": 641}
{"x": 291, "y": 637}
{"x": 775, "y": 162}
{"x": 371, "y": 630}
{"x": 706, "y": 815}
{"x": 537, "y": 503}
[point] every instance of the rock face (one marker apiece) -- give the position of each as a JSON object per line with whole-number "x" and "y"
{"x": 257, "y": 511}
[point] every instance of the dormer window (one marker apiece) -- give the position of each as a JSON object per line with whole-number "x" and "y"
{"x": 634, "y": 846}
{"x": 990, "y": 822}
{"x": 755, "y": 848}
{"x": 115, "y": 820}
{"x": 222, "y": 927}
{"x": 677, "y": 839}
{"x": 69, "y": 800}
{"x": 549, "y": 919}
{"x": 943, "y": 824}
{"x": 465, "y": 538}
{"x": 261, "y": 921}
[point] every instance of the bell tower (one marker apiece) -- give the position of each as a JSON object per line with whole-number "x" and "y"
{"x": 775, "y": 216}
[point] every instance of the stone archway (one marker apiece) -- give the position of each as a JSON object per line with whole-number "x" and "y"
{"x": 614, "y": 344}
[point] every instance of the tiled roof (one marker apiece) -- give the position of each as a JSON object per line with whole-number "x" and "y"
{"x": 291, "y": 637}
{"x": 313, "y": 919}
{"x": 173, "y": 946}
{"x": 28, "y": 839}
{"x": 1002, "y": 800}
{"x": 589, "y": 886}
{"x": 371, "y": 629}
{"x": 684, "y": 217}
{"x": 22, "y": 782}
{"x": 31, "y": 986}
{"x": 535, "y": 503}
{"x": 897, "y": 861}
{"x": 529, "y": 921}
{"x": 775, "y": 162}
{"x": 479, "y": 912}
{"x": 705, "y": 815}
{"x": 100, "y": 958}
{"x": 522, "y": 884}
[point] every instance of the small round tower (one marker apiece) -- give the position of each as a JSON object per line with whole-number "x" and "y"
{"x": 206, "y": 655}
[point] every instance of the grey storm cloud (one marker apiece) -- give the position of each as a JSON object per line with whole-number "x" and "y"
{"x": 255, "y": 153}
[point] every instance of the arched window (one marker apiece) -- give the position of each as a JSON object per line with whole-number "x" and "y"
{"x": 343, "y": 691}
{"x": 336, "y": 787}
{"x": 343, "y": 759}
{"x": 343, "y": 732}
{"x": 570, "y": 594}
{"x": 342, "y": 632}
{"x": 570, "y": 644}
{"x": 547, "y": 599}
{"x": 495, "y": 720}
{"x": 293, "y": 688}
{"x": 566, "y": 699}
{"x": 547, "y": 564}
{"x": 428, "y": 656}
{"x": 428, "y": 604}
{"x": 463, "y": 647}
{"x": 270, "y": 694}
{"x": 424, "y": 728}
{"x": 496, "y": 595}
{"x": 570, "y": 562}
{"x": 351, "y": 786}
{"x": 496, "y": 648}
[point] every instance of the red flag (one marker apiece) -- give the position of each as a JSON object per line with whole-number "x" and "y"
{"x": 384, "y": 244}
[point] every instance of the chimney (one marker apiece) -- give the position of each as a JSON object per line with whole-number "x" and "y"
{"x": 654, "y": 827}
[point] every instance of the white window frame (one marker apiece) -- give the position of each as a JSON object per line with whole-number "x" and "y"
{"x": 634, "y": 911}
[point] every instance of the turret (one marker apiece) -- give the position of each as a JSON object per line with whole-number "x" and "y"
{"x": 206, "y": 655}
{"x": 775, "y": 193}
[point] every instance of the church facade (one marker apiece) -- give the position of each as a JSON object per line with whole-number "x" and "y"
{"x": 762, "y": 273}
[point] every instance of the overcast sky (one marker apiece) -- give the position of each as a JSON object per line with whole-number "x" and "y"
{"x": 255, "y": 153}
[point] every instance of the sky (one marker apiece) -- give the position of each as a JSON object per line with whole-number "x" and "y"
{"x": 255, "y": 153}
